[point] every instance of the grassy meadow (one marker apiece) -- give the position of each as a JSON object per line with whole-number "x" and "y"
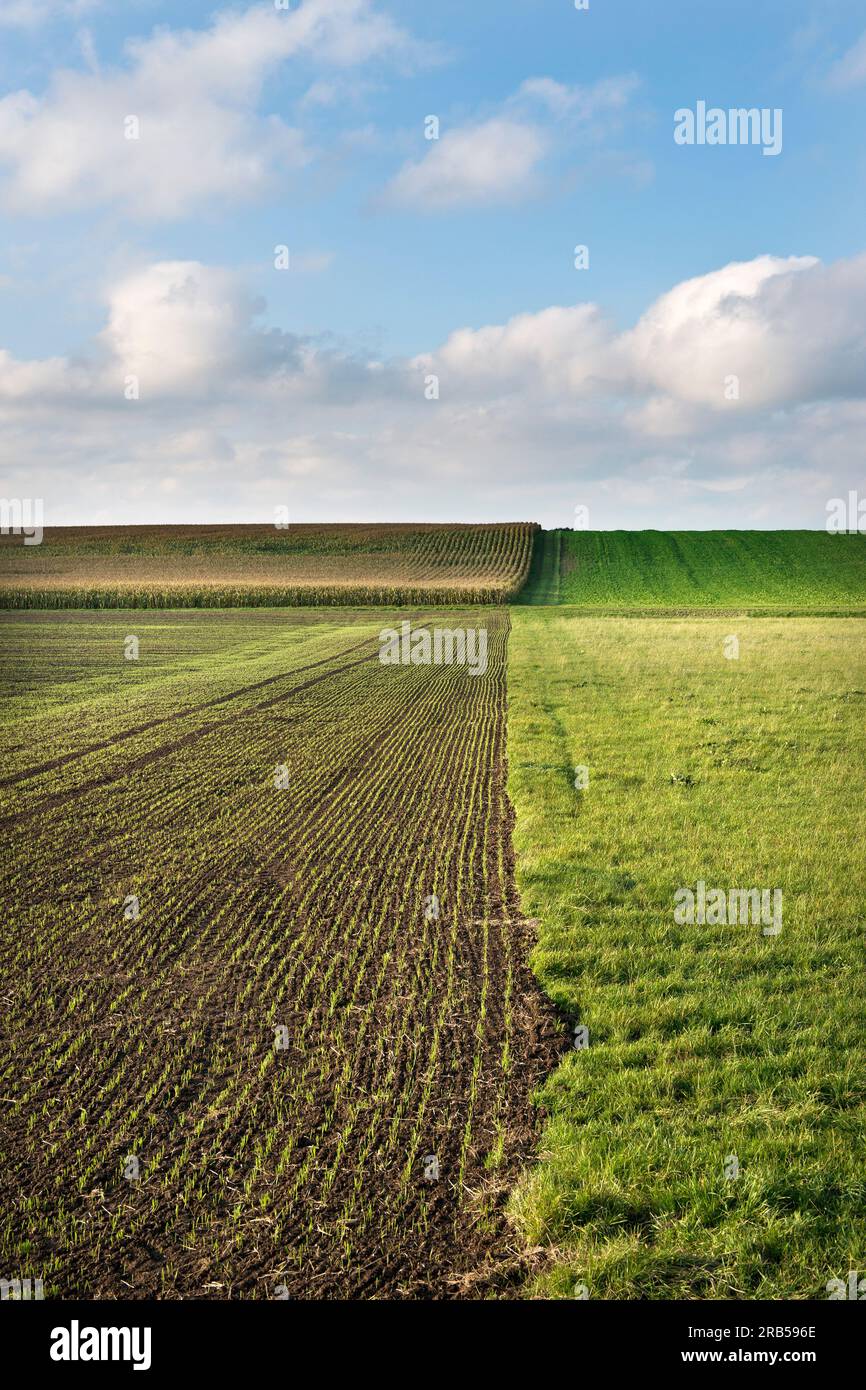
{"x": 707, "y": 1043}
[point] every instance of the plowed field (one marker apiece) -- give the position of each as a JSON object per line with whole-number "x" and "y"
{"x": 246, "y": 1052}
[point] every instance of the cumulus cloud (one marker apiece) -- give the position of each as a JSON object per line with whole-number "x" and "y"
{"x": 788, "y": 329}
{"x": 184, "y": 331}
{"x": 561, "y": 350}
{"x": 486, "y": 163}
{"x": 193, "y": 96}
{"x": 498, "y": 160}
{"x": 179, "y": 327}
{"x": 187, "y": 335}
{"x": 533, "y": 416}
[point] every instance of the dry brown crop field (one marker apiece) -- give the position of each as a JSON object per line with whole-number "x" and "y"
{"x": 268, "y": 1027}
{"x": 265, "y": 566}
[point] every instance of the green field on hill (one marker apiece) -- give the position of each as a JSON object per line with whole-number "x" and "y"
{"x": 793, "y": 572}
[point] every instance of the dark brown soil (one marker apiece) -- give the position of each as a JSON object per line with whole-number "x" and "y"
{"x": 268, "y": 1173}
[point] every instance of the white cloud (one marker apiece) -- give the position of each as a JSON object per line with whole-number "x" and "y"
{"x": 486, "y": 163}
{"x": 534, "y": 415}
{"x": 498, "y": 160}
{"x": 178, "y": 326}
{"x": 44, "y": 379}
{"x": 194, "y": 94}
{"x": 29, "y": 14}
{"x": 335, "y": 91}
{"x": 850, "y": 69}
{"x": 789, "y": 329}
{"x": 583, "y": 103}
{"x": 190, "y": 334}
{"x": 558, "y": 350}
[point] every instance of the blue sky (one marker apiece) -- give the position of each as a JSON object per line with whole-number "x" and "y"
{"x": 154, "y": 259}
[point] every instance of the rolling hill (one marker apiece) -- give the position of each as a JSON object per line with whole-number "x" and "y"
{"x": 657, "y": 572}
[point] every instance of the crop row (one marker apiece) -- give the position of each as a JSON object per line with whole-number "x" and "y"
{"x": 261, "y": 908}
{"x": 391, "y": 566}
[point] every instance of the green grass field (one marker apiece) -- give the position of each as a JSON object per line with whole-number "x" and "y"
{"x": 705, "y": 1042}
{"x": 646, "y": 572}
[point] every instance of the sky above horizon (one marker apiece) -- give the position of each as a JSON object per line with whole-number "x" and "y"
{"x": 237, "y": 274}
